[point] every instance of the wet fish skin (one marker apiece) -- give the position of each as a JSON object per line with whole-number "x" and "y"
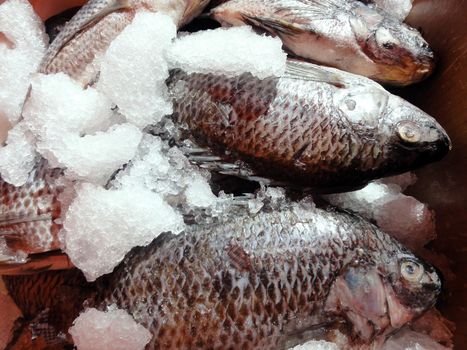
{"x": 340, "y": 33}
{"x": 85, "y": 38}
{"x": 314, "y": 127}
{"x": 29, "y": 213}
{"x": 261, "y": 282}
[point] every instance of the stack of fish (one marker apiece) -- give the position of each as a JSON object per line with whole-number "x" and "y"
{"x": 288, "y": 273}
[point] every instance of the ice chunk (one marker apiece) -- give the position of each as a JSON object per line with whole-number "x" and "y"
{"x": 395, "y": 8}
{"x": 316, "y": 345}
{"x": 229, "y": 51}
{"x": 10, "y": 313}
{"x": 71, "y": 127}
{"x": 111, "y": 330}
{"x": 404, "y": 217}
{"x": 17, "y": 158}
{"x": 59, "y": 103}
{"x": 134, "y": 70}
{"x": 96, "y": 157}
{"x": 166, "y": 170}
{"x": 101, "y": 226}
{"x": 22, "y": 45}
{"x": 199, "y": 194}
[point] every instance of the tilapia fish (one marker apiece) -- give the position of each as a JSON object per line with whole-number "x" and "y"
{"x": 265, "y": 282}
{"x": 313, "y": 127}
{"x": 340, "y": 33}
{"x": 85, "y": 38}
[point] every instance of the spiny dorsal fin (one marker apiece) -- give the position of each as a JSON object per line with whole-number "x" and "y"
{"x": 92, "y": 11}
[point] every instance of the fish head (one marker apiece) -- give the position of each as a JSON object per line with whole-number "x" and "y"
{"x": 412, "y": 138}
{"x": 399, "y": 54}
{"x": 382, "y": 291}
{"x": 397, "y": 135}
{"x": 412, "y": 287}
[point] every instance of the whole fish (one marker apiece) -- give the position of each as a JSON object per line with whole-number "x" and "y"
{"x": 85, "y": 38}
{"x": 339, "y": 33}
{"x": 313, "y": 127}
{"x": 266, "y": 281}
{"x": 261, "y": 282}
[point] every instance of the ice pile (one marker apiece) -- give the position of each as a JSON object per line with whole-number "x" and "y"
{"x": 103, "y": 225}
{"x": 403, "y": 217}
{"x": 134, "y": 69}
{"x": 22, "y": 45}
{"x": 229, "y": 51}
{"x": 111, "y": 330}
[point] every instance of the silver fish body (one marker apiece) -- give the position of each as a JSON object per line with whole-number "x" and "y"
{"x": 343, "y": 34}
{"x": 313, "y": 127}
{"x": 262, "y": 282}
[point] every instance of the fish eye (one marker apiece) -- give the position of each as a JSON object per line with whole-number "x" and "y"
{"x": 408, "y": 132}
{"x": 388, "y": 45}
{"x": 412, "y": 271}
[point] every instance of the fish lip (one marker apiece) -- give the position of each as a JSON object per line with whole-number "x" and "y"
{"x": 442, "y": 146}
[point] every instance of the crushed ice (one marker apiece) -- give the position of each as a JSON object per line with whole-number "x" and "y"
{"x": 114, "y": 329}
{"x": 382, "y": 202}
{"x": 207, "y": 52}
{"x": 103, "y": 225}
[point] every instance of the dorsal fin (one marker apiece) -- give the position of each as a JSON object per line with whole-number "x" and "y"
{"x": 308, "y": 71}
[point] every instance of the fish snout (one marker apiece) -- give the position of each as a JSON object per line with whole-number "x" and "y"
{"x": 426, "y": 63}
{"x": 441, "y": 146}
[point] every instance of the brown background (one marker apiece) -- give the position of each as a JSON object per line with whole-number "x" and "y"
{"x": 443, "y": 185}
